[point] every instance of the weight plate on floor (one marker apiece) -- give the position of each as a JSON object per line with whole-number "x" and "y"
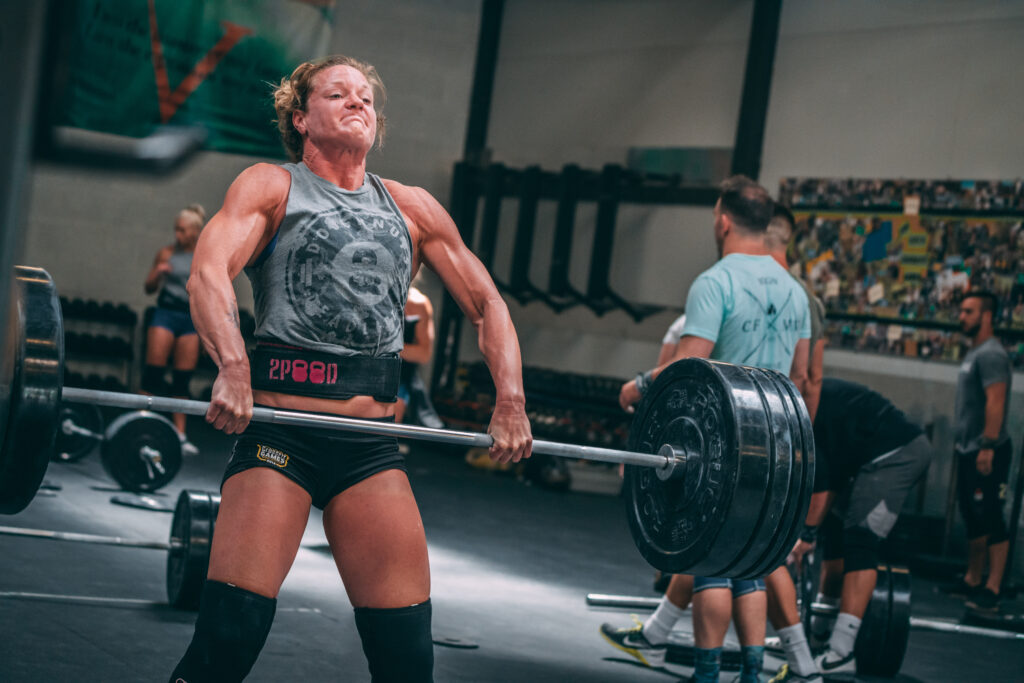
{"x": 73, "y": 447}
{"x": 885, "y": 628}
{"x": 33, "y": 371}
{"x": 189, "y": 556}
{"x": 698, "y": 522}
{"x": 141, "y": 451}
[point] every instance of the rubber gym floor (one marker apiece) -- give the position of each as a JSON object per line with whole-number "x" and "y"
{"x": 511, "y": 566}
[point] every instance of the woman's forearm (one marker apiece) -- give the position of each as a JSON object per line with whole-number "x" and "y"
{"x": 500, "y": 348}
{"x": 215, "y": 316}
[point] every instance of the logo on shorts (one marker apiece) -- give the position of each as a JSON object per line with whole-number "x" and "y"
{"x": 271, "y": 455}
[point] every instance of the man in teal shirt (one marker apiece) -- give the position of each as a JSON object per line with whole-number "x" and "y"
{"x": 746, "y": 309}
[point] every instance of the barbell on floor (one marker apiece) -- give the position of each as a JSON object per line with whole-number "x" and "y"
{"x": 81, "y": 429}
{"x": 188, "y": 548}
{"x": 140, "y": 450}
{"x": 883, "y": 635}
{"x": 719, "y": 467}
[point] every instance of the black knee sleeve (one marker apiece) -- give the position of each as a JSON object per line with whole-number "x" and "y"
{"x": 397, "y": 643}
{"x": 153, "y": 379}
{"x": 981, "y": 504}
{"x": 860, "y": 549}
{"x": 996, "y": 526}
{"x": 232, "y": 626}
{"x": 180, "y": 380}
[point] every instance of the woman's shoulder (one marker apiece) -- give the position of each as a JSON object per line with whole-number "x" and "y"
{"x": 261, "y": 185}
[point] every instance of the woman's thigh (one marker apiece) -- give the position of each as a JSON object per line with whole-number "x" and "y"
{"x": 259, "y": 527}
{"x": 186, "y": 352}
{"x": 159, "y": 343}
{"x": 376, "y": 536}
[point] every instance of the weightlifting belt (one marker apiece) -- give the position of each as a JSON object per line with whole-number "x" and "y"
{"x": 293, "y": 370}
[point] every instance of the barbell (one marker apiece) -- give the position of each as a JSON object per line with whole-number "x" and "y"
{"x": 719, "y": 467}
{"x": 884, "y": 631}
{"x": 140, "y": 450}
{"x": 188, "y": 548}
{"x": 81, "y": 429}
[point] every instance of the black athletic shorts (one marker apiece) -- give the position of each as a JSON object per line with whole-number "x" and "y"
{"x": 324, "y": 462}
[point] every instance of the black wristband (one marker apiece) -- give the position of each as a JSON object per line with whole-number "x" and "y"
{"x": 809, "y": 534}
{"x": 643, "y": 381}
{"x": 986, "y": 443}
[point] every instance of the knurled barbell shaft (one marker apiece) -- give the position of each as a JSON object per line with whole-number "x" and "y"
{"x": 288, "y": 417}
{"x": 83, "y": 538}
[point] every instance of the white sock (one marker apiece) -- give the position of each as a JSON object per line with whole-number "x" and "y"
{"x": 821, "y": 626}
{"x": 798, "y": 652}
{"x": 844, "y": 635}
{"x": 659, "y": 625}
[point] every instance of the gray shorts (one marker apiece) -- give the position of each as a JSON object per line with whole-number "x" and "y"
{"x": 876, "y": 496}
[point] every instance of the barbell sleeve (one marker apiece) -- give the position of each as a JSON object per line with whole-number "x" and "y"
{"x": 289, "y": 417}
{"x": 69, "y": 427}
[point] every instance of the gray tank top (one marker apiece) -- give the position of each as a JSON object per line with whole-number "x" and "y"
{"x": 173, "y": 294}
{"x": 336, "y": 275}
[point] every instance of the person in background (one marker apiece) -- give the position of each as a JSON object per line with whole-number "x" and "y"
{"x": 414, "y": 403}
{"x": 868, "y": 457}
{"x": 171, "y": 337}
{"x": 776, "y": 239}
{"x": 983, "y": 450}
{"x": 746, "y": 309}
{"x": 671, "y": 340}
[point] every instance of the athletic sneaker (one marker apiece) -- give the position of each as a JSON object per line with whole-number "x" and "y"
{"x": 632, "y": 641}
{"x": 984, "y": 600}
{"x": 787, "y": 674}
{"x": 829, "y": 663}
{"x": 960, "y": 589}
{"x": 188, "y": 449}
{"x": 773, "y": 644}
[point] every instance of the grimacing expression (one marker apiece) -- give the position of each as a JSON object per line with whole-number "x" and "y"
{"x": 339, "y": 110}
{"x": 971, "y": 316}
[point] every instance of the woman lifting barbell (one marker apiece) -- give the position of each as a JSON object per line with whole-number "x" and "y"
{"x": 330, "y": 250}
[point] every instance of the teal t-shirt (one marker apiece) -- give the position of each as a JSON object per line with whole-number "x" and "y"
{"x": 751, "y": 309}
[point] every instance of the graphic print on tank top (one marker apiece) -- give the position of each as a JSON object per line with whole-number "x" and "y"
{"x": 773, "y": 315}
{"x": 343, "y": 279}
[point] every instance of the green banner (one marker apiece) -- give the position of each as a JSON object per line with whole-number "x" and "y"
{"x": 137, "y": 64}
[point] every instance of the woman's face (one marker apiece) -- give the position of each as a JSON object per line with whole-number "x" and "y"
{"x": 340, "y": 111}
{"x": 185, "y": 231}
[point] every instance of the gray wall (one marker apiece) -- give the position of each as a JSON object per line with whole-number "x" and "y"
{"x": 907, "y": 89}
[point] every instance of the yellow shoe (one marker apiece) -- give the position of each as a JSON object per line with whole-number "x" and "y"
{"x": 632, "y": 641}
